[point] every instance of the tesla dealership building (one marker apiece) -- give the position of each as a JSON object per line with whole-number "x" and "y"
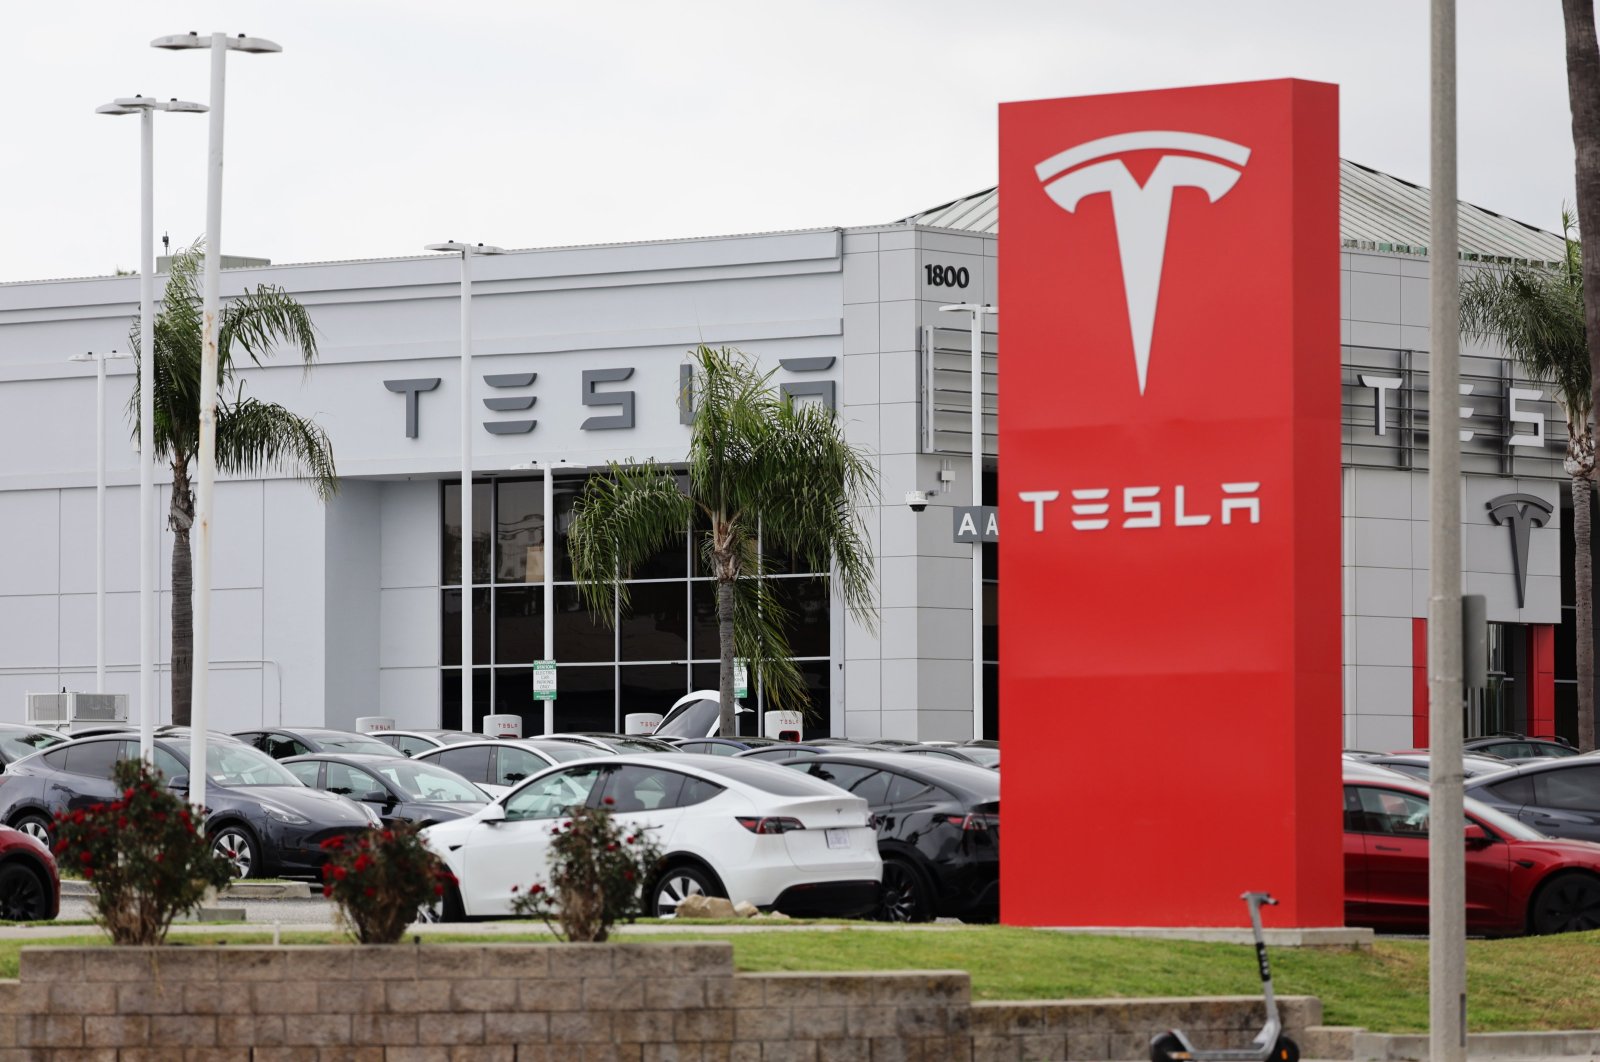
{"x": 326, "y": 612}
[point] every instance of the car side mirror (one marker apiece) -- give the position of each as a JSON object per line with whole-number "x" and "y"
{"x": 493, "y": 813}
{"x": 1476, "y": 836}
{"x": 181, "y": 782}
{"x": 375, "y": 796}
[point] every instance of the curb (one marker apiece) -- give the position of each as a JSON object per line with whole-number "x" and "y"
{"x": 238, "y": 890}
{"x": 1327, "y": 1041}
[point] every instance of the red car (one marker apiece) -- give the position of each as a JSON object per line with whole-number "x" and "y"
{"x": 1518, "y": 880}
{"x": 30, "y": 888}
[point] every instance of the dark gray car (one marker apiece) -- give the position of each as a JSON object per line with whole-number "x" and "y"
{"x": 1557, "y": 797}
{"x": 399, "y": 790}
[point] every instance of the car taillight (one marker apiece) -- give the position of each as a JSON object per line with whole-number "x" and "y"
{"x": 971, "y": 822}
{"x": 769, "y": 825}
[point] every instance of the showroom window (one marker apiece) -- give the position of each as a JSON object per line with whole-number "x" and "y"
{"x": 665, "y": 646}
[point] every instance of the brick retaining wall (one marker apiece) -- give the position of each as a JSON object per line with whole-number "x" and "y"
{"x": 678, "y": 1002}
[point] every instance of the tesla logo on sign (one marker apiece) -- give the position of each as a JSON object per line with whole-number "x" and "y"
{"x": 1141, "y": 211}
{"x": 1521, "y": 513}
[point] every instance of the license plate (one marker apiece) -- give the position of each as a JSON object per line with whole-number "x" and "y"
{"x": 838, "y": 838}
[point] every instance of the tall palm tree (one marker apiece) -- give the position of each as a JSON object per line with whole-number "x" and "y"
{"x": 252, "y": 436}
{"x": 1538, "y": 313}
{"x": 766, "y": 478}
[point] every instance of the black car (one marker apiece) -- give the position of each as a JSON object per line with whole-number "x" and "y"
{"x": 1519, "y": 747}
{"x": 938, "y": 831}
{"x": 411, "y": 742}
{"x": 262, "y": 818}
{"x": 1556, "y": 797}
{"x": 280, "y": 744}
{"x": 399, "y": 790}
{"x": 17, "y": 741}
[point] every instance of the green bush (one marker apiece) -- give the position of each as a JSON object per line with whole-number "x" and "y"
{"x": 381, "y": 879}
{"x": 598, "y": 871}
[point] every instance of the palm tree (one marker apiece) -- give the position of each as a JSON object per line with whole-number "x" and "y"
{"x": 1538, "y": 313}
{"x": 766, "y": 478}
{"x": 252, "y": 436}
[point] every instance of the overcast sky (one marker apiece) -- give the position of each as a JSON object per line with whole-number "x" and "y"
{"x": 387, "y": 125}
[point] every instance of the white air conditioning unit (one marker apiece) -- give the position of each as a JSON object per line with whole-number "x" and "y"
{"x": 45, "y": 709}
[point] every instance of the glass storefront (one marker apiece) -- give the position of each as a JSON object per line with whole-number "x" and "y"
{"x": 665, "y": 645}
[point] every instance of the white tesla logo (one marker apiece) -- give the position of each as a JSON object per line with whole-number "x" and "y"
{"x": 1141, "y": 213}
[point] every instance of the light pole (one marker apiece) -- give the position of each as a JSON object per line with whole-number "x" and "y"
{"x": 99, "y": 510}
{"x": 1447, "y": 925}
{"x": 466, "y": 251}
{"x": 145, "y": 108}
{"x": 977, "y": 310}
{"x": 549, "y": 574}
{"x": 206, "y": 472}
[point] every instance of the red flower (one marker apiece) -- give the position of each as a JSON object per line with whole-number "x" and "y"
{"x": 388, "y": 835}
{"x": 534, "y": 890}
{"x": 327, "y": 890}
{"x": 514, "y": 888}
{"x": 77, "y": 817}
{"x": 628, "y": 874}
{"x": 363, "y": 861}
{"x": 607, "y": 801}
{"x": 371, "y": 892}
{"x": 127, "y": 794}
{"x": 86, "y": 858}
{"x": 122, "y": 822}
{"x": 438, "y": 890}
{"x": 340, "y": 873}
{"x": 96, "y": 809}
{"x": 332, "y": 844}
{"x": 88, "y": 872}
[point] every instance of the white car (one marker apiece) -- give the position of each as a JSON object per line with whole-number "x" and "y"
{"x": 746, "y": 831}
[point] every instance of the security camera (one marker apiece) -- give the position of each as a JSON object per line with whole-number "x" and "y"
{"x": 917, "y": 500}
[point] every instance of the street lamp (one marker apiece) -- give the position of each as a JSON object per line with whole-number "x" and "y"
{"x": 206, "y": 471}
{"x": 466, "y": 251}
{"x": 99, "y": 510}
{"x": 145, "y": 107}
{"x": 549, "y": 572}
{"x": 977, "y": 310}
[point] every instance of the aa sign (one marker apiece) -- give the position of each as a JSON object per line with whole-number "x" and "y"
{"x": 975, "y": 523}
{"x": 1169, "y": 272}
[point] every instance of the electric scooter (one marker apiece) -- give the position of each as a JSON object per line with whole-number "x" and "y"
{"x": 1270, "y": 1043}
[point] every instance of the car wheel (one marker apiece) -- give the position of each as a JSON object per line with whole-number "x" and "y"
{"x": 1568, "y": 902}
{"x": 677, "y": 884}
{"x": 904, "y": 897}
{"x": 238, "y": 846}
{"x": 23, "y": 896}
{"x": 37, "y": 827}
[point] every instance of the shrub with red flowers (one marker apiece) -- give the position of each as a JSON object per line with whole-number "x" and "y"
{"x": 381, "y": 879}
{"x": 598, "y": 870}
{"x": 143, "y": 855}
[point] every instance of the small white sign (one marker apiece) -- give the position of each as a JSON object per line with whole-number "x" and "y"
{"x": 544, "y": 680}
{"x": 741, "y": 679}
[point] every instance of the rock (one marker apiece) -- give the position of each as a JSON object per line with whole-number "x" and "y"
{"x": 746, "y": 909}
{"x": 705, "y": 907}
{"x": 776, "y": 915}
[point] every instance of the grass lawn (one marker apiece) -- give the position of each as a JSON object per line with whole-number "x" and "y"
{"x": 1527, "y": 984}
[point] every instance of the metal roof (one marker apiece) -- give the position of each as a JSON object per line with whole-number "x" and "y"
{"x": 1377, "y": 212}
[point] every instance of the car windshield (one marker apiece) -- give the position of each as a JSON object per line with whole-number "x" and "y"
{"x": 450, "y": 737}
{"x": 1500, "y": 822}
{"x": 16, "y": 744}
{"x": 233, "y": 764}
{"x": 333, "y": 741}
{"x": 424, "y": 781}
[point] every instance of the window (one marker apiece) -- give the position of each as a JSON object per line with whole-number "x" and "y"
{"x": 512, "y": 765}
{"x": 281, "y": 746}
{"x": 411, "y": 746}
{"x": 1512, "y": 791}
{"x": 470, "y": 762}
{"x": 1576, "y": 789}
{"x": 633, "y": 788}
{"x": 93, "y": 759}
{"x": 612, "y": 661}
{"x": 1388, "y": 811}
{"x": 552, "y": 795}
{"x": 169, "y": 765}
{"x": 306, "y": 771}
{"x": 17, "y": 743}
{"x": 868, "y": 783}
{"x": 424, "y": 781}
{"x": 351, "y": 781}
{"x": 697, "y": 791}
{"x": 903, "y": 790}
{"x": 57, "y": 760}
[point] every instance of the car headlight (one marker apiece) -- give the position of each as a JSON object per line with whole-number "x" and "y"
{"x": 285, "y": 815}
